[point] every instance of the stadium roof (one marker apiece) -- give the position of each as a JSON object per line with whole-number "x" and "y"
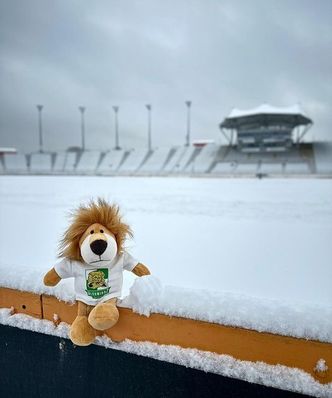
{"x": 266, "y": 114}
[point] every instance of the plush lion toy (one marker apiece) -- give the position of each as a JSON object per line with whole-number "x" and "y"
{"x": 92, "y": 252}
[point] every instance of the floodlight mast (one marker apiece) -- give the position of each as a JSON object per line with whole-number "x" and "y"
{"x": 188, "y": 103}
{"x": 149, "y": 108}
{"x": 117, "y": 143}
{"x": 40, "y": 127}
{"x": 82, "y": 110}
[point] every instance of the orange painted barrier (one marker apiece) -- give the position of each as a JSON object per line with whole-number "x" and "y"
{"x": 22, "y": 302}
{"x": 242, "y": 344}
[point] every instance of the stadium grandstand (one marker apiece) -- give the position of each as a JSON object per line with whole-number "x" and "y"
{"x": 265, "y": 141}
{"x": 266, "y": 128}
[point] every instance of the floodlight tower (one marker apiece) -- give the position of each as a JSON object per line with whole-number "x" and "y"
{"x": 149, "y": 108}
{"x": 82, "y": 110}
{"x": 117, "y": 144}
{"x": 188, "y": 103}
{"x": 40, "y": 127}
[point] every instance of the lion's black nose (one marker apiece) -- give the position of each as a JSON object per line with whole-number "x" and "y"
{"x": 98, "y": 246}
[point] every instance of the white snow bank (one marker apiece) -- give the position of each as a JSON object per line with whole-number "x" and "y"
{"x": 148, "y": 295}
{"x": 27, "y": 322}
{"x": 32, "y": 281}
{"x": 289, "y": 319}
{"x": 277, "y": 376}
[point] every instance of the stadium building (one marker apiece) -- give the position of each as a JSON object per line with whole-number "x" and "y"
{"x": 266, "y": 128}
{"x": 265, "y": 141}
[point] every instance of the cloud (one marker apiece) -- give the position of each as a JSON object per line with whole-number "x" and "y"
{"x": 219, "y": 54}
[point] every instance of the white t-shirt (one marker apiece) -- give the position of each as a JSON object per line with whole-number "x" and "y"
{"x": 94, "y": 285}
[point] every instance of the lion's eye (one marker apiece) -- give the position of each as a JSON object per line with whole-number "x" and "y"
{"x": 92, "y": 232}
{"x": 101, "y": 231}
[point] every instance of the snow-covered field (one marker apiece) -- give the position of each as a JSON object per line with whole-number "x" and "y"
{"x": 250, "y": 253}
{"x": 228, "y": 239}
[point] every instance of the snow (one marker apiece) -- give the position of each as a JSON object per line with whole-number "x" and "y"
{"x": 15, "y": 162}
{"x": 267, "y": 109}
{"x": 249, "y": 168}
{"x": 180, "y": 159}
{"x": 147, "y": 295}
{"x": 134, "y": 160}
{"x": 296, "y": 168}
{"x": 205, "y": 158}
{"x": 250, "y": 253}
{"x": 321, "y": 366}
{"x": 59, "y": 163}
{"x": 273, "y": 168}
{"x": 323, "y": 157}
{"x": 41, "y": 162}
{"x": 156, "y": 161}
{"x": 227, "y": 168}
{"x": 31, "y": 280}
{"x": 277, "y": 376}
{"x": 27, "y": 322}
{"x": 88, "y": 161}
{"x": 71, "y": 159}
{"x": 111, "y": 161}
{"x": 173, "y": 161}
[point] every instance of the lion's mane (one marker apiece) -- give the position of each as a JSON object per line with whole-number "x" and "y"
{"x": 98, "y": 211}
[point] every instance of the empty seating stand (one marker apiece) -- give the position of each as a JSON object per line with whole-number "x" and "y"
{"x": 173, "y": 161}
{"x": 156, "y": 162}
{"x": 111, "y": 161}
{"x": 59, "y": 164}
{"x": 88, "y": 162}
{"x": 182, "y": 160}
{"x": 226, "y": 168}
{"x": 187, "y": 163}
{"x": 271, "y": 168}
{"x": 16, "y": 163}
{"x": 247, "y": 168}
{"x": 41, "y": 163}
{"x": 70, "y": 162}
{"x": 204, "y": 159}
{"x": 211, "y": 158}
{"x": 323, "y": 157}
{"x": 134, "y": 161}
{"x": 297, "y": 168}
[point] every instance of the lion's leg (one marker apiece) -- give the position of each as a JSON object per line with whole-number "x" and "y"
{"x": 104, "y": 315}
{"x": 81, "y": 332}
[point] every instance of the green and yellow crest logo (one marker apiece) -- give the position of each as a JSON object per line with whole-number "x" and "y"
{"x": 97, "y": 282}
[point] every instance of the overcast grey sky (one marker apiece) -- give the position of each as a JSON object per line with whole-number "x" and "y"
{"x": 219, "y": 54}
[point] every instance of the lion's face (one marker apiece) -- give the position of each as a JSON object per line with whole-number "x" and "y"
{"x": 96, "y": 279}
{"x": 98, "y": 245}
{"x": 93, "y": 218}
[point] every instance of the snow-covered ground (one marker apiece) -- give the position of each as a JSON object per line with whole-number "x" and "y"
{"x": 225, "y": 239}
